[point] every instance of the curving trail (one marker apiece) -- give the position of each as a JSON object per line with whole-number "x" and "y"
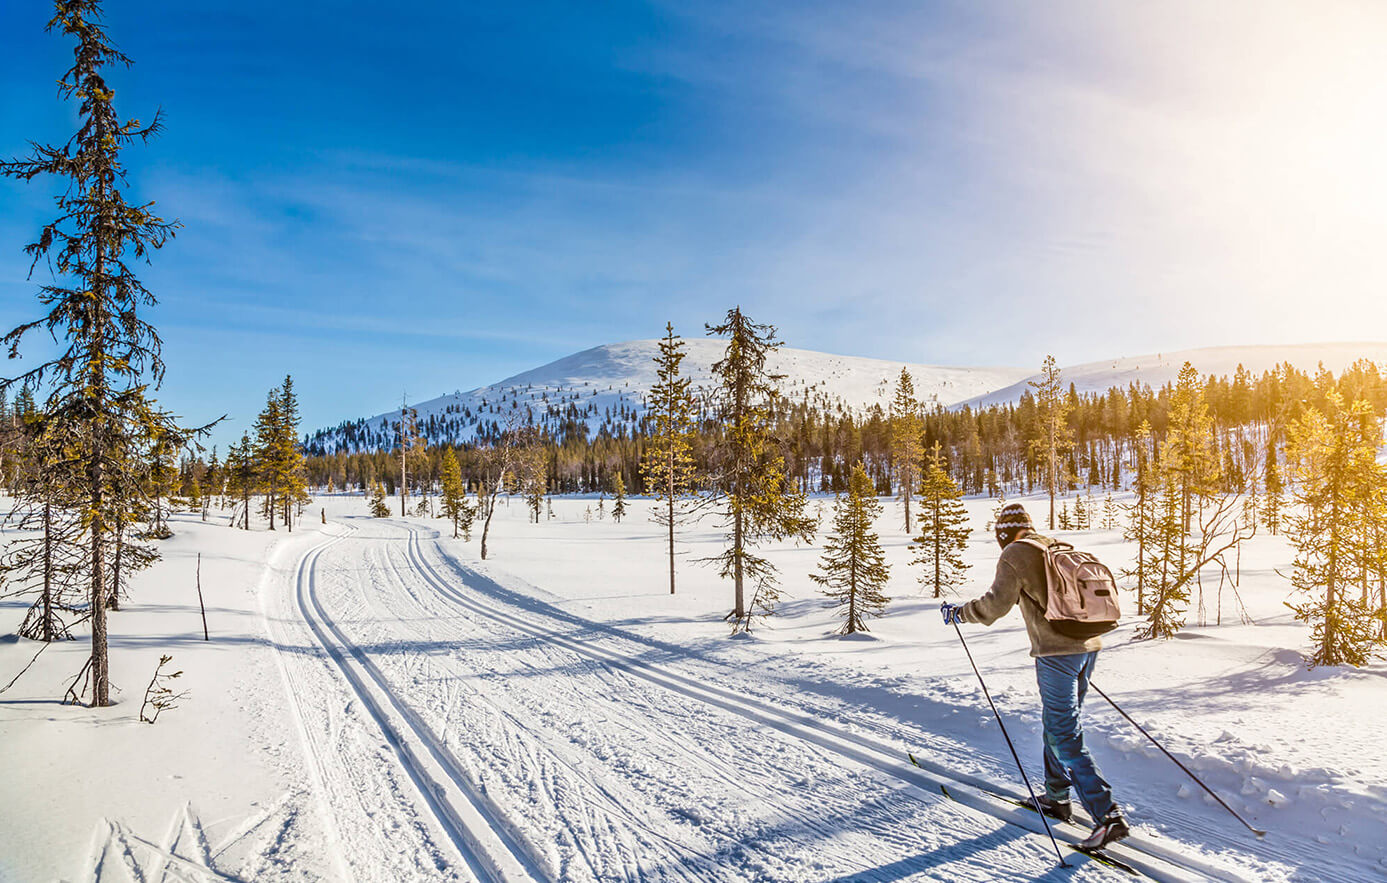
{"x": 457, "y": 730}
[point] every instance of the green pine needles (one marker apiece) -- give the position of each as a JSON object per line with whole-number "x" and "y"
{"x": 1342, "y": 492}
{"x": 854, "y": 571}
{"x": 757, "y": 499}
{"x": 671, "y": 421}
{"x": 96, "y": 406}
{"x": 944, "y": 529}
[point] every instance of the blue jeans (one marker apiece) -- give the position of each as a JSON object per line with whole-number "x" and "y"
{"x": 1063, "y": 682}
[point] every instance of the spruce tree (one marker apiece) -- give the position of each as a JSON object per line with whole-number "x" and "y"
{"x": 1272, "y": 501}
{"x": 853, "y": 568}
{"x": 618, "y": 497}
{"x": 455, "y": 505}
{"x": 1052, "y": 438}
{"x": 668, "y": 466}
{"x": 944, "y": 528}
{"x": 268, "y": 426}
{"x": 1141, "y": 516}
{"x": 288, "y": 456}
{"x": 756, "y": 498}
{"x": 1188, "y": 455}
{"x": 109, "y": 357}
{"x": 379, "y": 508}
{"x": 1339, "y": 485}
{"x": 907, "y": 450}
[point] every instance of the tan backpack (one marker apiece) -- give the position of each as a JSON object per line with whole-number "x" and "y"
{"x": 1080, "y": 592}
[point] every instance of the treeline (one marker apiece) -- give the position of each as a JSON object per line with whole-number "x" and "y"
{"x": 987, "y": 451}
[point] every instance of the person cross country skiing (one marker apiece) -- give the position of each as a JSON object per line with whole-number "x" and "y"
{"x": 1063, "y": 667}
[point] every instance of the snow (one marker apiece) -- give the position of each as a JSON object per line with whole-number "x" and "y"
{"x": 377, "y": 704}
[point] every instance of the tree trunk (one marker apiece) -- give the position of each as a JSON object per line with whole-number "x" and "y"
{"x": 47, "y": 572}
{"x": 100, "y": 663}
{"x": 490, "y": 511}
{"x": 739, "y": 605}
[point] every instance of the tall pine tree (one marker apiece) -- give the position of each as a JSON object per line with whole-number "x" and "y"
{"x": 906, "y": 448}
{"x": 668, "y": 466}
{"x": 1052, "y": 438}
{"x": 1333, "y": 456}
{"x": 110, "y": 356}
{"x": 757, "y": 500}
{"x": 455, "y": 505}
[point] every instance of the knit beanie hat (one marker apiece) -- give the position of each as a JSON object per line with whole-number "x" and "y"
{"x": 1011, "y": 521}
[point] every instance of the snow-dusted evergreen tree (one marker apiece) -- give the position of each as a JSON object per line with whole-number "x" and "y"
{"x": 1066, "y": 522}
{"x": 1109, "y": 512}
{"x": 618, "y": 497}
{"x": 756, "y": 498}
{"x": 109, "y": 356}
{"x": 1052, "y": 438}
{"x": 455, "y": 506}
{"x": 1338, "y": 484}
{"x": 853, "y": 568}
{"x": 943, "y": 527}
{"x": 907, "y": 449}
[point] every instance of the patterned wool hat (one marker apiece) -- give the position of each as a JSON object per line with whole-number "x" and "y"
{"x": 1012, "y": 520}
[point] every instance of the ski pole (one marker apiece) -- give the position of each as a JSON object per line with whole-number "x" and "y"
{"x": 1014, "y": 756}
{"x": 1176, "y": 760}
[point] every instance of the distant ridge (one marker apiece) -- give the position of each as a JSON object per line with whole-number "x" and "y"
{"x": 1157, "y": 369}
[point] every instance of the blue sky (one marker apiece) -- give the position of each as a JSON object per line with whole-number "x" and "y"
{"x": 434, "y": 197}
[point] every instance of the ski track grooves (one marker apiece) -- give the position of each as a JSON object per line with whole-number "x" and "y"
{"x": 487, "y": 845}
{"x": 601, "y": 793}
{"x": 1154, "y": 860}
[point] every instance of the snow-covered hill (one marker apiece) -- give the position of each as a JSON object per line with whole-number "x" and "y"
{"x": 607, "y": 384}
{"x": 1157, "y": 369}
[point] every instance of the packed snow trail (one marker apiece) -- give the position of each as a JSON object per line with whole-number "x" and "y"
{"x": 457, "y": 731}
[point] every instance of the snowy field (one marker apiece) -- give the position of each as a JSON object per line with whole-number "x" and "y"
{"x": 376, "y": 704}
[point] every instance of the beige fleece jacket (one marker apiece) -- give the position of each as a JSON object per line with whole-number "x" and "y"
{"x": 1020, "y": 580}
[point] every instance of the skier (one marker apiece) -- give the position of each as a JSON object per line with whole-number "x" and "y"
{"x": 1063, "y": 667}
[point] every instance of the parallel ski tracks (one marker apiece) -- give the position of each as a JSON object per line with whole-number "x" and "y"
{"x": 1154, "y": 860}
{"x": 489, "y": 848}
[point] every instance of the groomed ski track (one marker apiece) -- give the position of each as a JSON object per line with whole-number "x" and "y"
{"x": 455, "y": 729}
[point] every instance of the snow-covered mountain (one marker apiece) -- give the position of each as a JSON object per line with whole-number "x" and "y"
{"x": 607, "y": 384}
{"x": 1157, "y": 369}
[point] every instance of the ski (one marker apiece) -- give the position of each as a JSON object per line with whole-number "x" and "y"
{"x": 1101, "y": 856}
{"x": 1105, "y": 858}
